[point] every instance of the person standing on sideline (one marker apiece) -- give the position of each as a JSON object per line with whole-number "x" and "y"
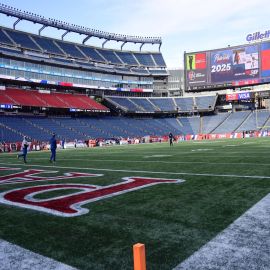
{"x": 63, "y": 143}
{"x": 171, "y": 139}
{"x": 24, "y": 147}
{"x": 53, "y": 147}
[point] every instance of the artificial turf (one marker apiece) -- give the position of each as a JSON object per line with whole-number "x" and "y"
{"x": 172, "y": 220}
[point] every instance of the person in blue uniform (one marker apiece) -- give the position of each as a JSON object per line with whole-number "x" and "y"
{"x": 53, "y": 146}
{"x": 171, "y": 139}
{"x": 25, "y": 145}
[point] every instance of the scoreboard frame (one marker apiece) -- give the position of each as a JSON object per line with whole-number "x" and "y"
{"x": 243, "y": 65}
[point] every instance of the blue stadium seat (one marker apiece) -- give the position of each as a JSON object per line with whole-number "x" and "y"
{"x": 70, "y": 49}
{"x": 144, "y": 103}
{"x": 232, "y": 122}
{"x": 159, "y": 59}
{"x": 47, "y": 45}
{"x": 22, "y": 39}
{"x": 8, "y": 135}
{"x": 4, "y": 39}
{"x": 256, "y": 120}
{"x": 127, "y": 58}
{"x": 125, "y": 103}
{"x": 145, "y": 59}
{"x": 206, "y": 102}
{"x": 110, "y": 56}
{"x": 210, "y": 122}
{"x": 164, "y": 104}
{"x": 184, "y": 104}
{"x": 13, "y": 128}
{"x": 191, "y": 125}
{"x": 91, "y": 53}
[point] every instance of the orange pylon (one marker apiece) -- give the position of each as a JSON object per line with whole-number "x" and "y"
{"x": 139, "y": 257}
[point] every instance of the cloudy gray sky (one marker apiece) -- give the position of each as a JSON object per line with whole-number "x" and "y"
{"x": 184, "y": 25}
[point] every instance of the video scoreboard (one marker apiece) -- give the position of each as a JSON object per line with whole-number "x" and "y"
{"x": 228, "y": 67}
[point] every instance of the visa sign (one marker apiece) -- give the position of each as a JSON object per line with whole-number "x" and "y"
{"x": 244, "y": 96}
{"x": 238, "y": 96}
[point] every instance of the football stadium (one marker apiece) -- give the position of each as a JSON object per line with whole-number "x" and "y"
{"x": 112, "y": 160}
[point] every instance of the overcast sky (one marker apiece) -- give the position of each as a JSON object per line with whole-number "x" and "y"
{"x": 184, "y": 25}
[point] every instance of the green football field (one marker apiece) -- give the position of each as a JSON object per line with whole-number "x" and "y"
{"x": 223, "y": 179}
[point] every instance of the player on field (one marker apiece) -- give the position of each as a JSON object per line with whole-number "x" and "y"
{"x": 171, "y": 139}
{"x": 53, "y": 146}
{"x": 25, "y": 145}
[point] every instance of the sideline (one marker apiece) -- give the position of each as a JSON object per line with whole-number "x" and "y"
{"x": 14, "y": 257}
{"x": 245, "y": 244}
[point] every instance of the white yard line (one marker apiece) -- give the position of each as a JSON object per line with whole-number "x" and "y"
{"x": 13, "y": 257}
{"x": 245, "y": 244}
{"x": 142, "y": 171}
{"x": 160, "y": 161}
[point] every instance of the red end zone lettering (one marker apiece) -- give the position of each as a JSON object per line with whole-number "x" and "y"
{"x": 9, "y": 169}
{"x": 31, "y": 176}
{"x": 71, "y": 205}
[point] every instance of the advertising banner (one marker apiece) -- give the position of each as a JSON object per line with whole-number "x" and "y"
{"x": 197, "y": 76}
{"x": 231, "y": 97}
{"x": 265, "y": 59}
{"x": 221, "y": 66}
{"x": 238, "y": 96}
{"x": 196, "y": 69}
{"x": 196, "y": 61}
{"x": 243, "y": 96}
{"x": 232, "y": 66}
{"x": 245, "y": 63}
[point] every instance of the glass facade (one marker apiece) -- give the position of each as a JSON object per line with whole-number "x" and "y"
{"x": 30, "y": 71}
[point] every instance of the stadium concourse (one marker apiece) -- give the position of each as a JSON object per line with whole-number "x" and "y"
{"x": 202, "y": 203}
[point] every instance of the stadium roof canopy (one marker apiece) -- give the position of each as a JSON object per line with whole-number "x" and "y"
{"x": 48, "y": 22}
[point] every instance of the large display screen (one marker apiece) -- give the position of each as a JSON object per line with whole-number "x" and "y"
{"x": 232, "y": 66}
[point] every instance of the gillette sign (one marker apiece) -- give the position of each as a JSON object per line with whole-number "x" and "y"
{"x": 258, "y": 36}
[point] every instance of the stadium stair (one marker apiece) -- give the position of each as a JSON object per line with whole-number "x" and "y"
{"x": 245, "y": 119}
{"x": 13, "y": 130}
{"x": 5, "y": 99}
{"x": 156, "y": 108}
{"x": 180, "y": 124}
{"x": 36, "y": 43}
{"x": 42, "y": 101}
{"x": 224, "y": 120}
{"x": 174, "y": 102}
{"x": 266, "y": 124}
{"x": 201, "y": 125}
{"x": 117, "y": 105}
{"x": 6, "y": 33}
{"x": 59, "y": 47}
{"x": 139, "y": 107}
{"x": 101, "y": 55}
{"x": 78, "y": 48}
{"x": 153, "y": 59}
{"x": 63, "y": 101}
